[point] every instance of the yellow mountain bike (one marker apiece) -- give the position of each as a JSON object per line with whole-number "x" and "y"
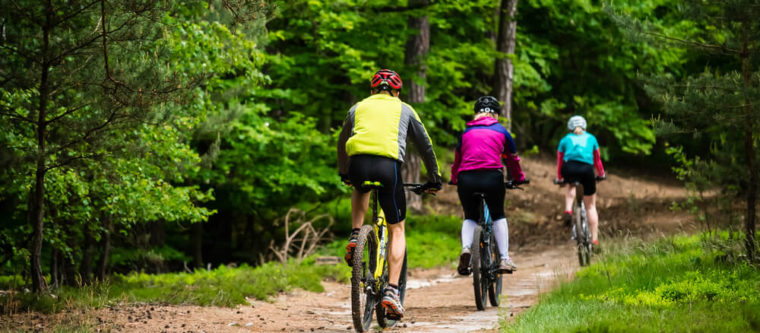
{"x": 369, "y": 275}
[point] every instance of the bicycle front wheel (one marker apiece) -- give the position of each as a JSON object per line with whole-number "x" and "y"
{"x": 494, "y": 288}
{"x": 364, "y": 288}
{"x": 581, "y": 237}
{"x": 479, "y": 270}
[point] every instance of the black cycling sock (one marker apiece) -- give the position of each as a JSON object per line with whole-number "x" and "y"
{"x": 394, "y": 286}
{"x": 355, "y": 230}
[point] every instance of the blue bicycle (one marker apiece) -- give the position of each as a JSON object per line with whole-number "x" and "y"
{"x": 486, "y": 277}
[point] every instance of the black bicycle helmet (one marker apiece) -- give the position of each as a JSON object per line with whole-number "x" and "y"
{"x": 487, "y": 104}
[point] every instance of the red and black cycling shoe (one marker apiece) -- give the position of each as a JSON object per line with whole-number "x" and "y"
{"x": 352, "y": 240}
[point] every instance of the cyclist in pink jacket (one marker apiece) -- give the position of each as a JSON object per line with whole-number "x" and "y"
{"x": 478, "y": 168}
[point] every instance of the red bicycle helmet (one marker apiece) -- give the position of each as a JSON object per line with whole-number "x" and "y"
{"x": 386, "y": 77}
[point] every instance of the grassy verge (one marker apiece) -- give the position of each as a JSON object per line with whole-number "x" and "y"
{"x": 432, "y": 241}
{"x": 223, "y": 286}
{"x": 697, "y": 283}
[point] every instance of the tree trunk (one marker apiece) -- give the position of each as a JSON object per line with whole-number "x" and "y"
{"x": 503, "y": 66}
{"x": 106, "y": 245}
{"x": 197, "y": 241}
{"x": 749, "y": 152}
{"x": 417, "y": 48}
{"x": 54, "y": 267}
{"x": 157, "y": 233}
{"x": 85, "y": 268}
{"x": 38, "y": 203}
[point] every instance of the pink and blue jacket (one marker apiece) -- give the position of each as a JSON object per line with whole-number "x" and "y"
{"x": 483, "y": 145}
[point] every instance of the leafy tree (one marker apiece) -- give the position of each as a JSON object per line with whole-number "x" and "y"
{"x": 76, "y": 75}
{"x": 718, "y": 102}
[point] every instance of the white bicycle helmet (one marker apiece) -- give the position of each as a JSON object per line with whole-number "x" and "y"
{"x": 576, "y": 121}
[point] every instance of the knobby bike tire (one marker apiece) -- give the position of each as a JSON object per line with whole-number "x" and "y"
{"x": 494, "y": 288}
{"x": 363, "y": 299}
{"x": 587, "y": 240}
{"x": 479, "y": 280}
{"x": 382, "y": 320}
{"x": 581, "y": 236}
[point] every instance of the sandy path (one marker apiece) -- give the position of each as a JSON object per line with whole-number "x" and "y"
{"x": 438, "y": 300}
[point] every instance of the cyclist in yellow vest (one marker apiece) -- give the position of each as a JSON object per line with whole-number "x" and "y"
{"x": 371, "y": 147}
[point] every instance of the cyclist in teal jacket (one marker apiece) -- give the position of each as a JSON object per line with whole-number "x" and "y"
{"x": 577, "y": 157}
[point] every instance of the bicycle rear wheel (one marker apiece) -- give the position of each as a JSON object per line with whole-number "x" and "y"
{"x": 494, "y": 288}
{"x": 364, "y": 292}
{"x": 479, "y": 269}
{"x": 381, "y": 318}
{"x": 582, "y": 237}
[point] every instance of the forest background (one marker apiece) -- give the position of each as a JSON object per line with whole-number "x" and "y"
{"x": 159, "y": 136}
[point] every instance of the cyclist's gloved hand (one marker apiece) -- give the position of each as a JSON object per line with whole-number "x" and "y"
{"x": 432, "y": 187}
{"x": 602, "y": 177}
{"x": 344, "y": 179}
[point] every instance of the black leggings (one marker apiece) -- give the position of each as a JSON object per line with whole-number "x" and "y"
{"x": 388, "y": 172}
{"x": 488, "y": 182}
{"x": 582, "y": 172}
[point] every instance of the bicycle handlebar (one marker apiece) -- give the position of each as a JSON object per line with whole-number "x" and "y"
{"x": 418, "y": 189}
{"x": 565, "y": 181}
{"x": 513, "y": 185}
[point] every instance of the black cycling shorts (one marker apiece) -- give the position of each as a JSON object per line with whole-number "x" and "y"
{"x": 582, "y": 172}
{"x": 387, "y": 171}
{"x": 488, "y": 182}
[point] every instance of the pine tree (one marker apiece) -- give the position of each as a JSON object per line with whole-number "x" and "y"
{"x": 721, "y": 102}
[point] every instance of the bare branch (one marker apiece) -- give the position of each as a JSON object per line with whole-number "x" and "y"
{"x": 720, "y": 48}
{"x": 75, "y": 13}
{"x": 67, "y": 161}
{"x": 66, "y": 113}
{"x": 8, "y": 112}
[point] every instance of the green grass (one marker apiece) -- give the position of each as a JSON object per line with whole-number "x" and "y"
{"x": 697, "y": 283}
{"x": 431, "y": 241}
{"x": 223, "y": 286}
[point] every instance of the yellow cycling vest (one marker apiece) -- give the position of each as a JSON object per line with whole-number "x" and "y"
{"x": 379, "y": 125}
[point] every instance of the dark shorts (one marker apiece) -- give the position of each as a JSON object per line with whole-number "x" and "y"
{"x": 582, "y": 172}
{"x": 387, "y": 171}
{"x": 488, "y": 182}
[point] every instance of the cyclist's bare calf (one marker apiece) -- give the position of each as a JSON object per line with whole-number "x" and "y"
{"x": 359, "y": 206}
{"x": 396, "y": 251}
{"x": 592, "y": 216}
{"x": 591, "y": 213}
{"x": 569, "y": 197}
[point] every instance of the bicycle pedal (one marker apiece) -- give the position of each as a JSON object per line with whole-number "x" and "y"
{"x": 392, "y": 316}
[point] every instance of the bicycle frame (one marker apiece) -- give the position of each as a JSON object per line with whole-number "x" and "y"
{"x": 381, "y": 237}
{"x": 582, "y": 237}
{"x": 487, "y": 222}
{"x": 581, "y": 206}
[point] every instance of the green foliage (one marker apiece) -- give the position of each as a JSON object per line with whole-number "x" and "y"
{"x": 710, "y": 109}
{"x": 127, "y": 91}
{"x": 123, "y": 259}
{"x": 672, "y": 284}
{"x": 222, "y": 286}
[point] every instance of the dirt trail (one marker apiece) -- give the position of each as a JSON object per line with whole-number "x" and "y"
{"x": 438, "y": 300}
